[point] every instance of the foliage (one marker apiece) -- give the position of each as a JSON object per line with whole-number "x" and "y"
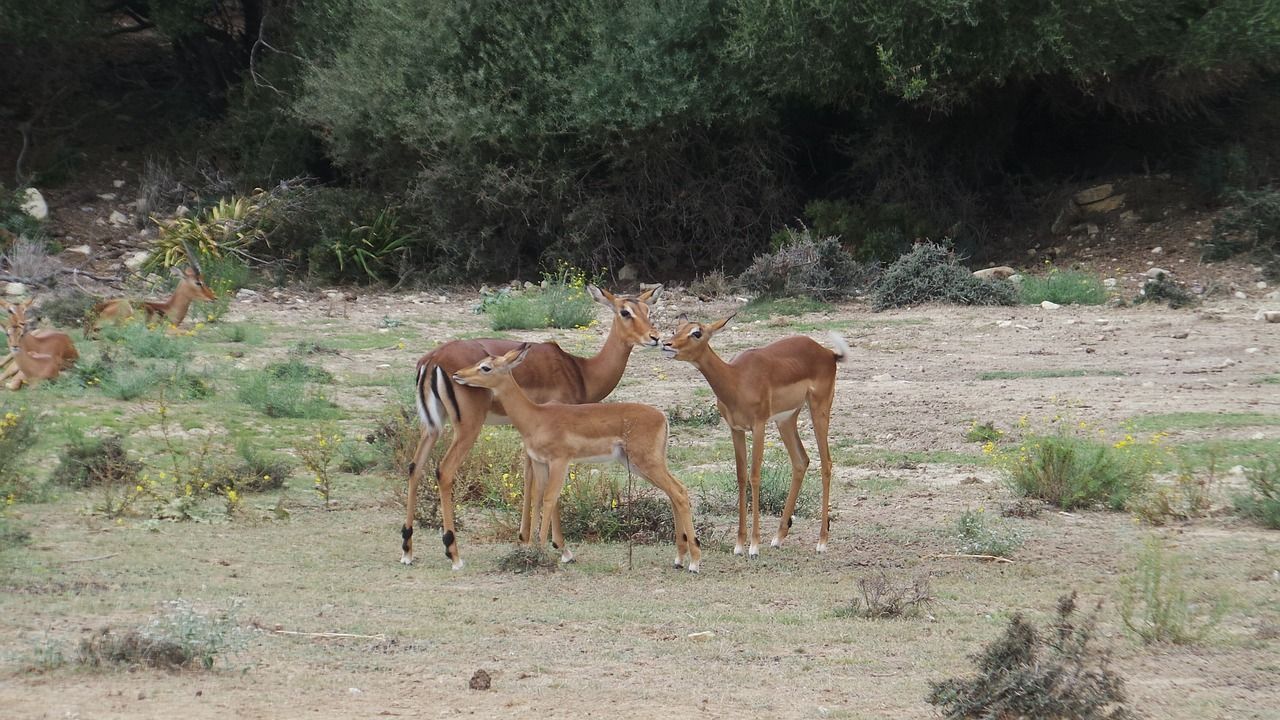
{"x": 977, "y": 534}
{"x": 775, "y": 482}
{"x": 763, "y": 307}
{"x": 884, "y": 598}
{"x": 1028, "y": 673}
{"x": 369, "y": 247}
{"x": 317, "y": 454}
{"x": 147, "y": 342}
{"x": 1251, "y": 225}
{"x": 1064, "y": 287}
{"x": 986, "y": 432}
{"x": 1164, "y": 289}
{"x": 94, "y": 462}
{"x": 256, "y": 470}
{"x": 1189, "y": 496}
{"x": 561, "y": 302}
{"x": 284, "y": 398}
{"x": 180, "y": 637}
{"x": 1075, "y": 467}
{"x": 17, "y": 435}
{"x": 14, "y": 222}
{"x": 712, "y": 285}
{"x": 527, "y": 559}
{"x": 873, "y": 231}
{"x": 294, "y": 370}
{"x": 1261, "y": 501}
{"x": 12, "y": 534}
{"x": 804, "y": 265}
{"x": 932, "y": 273}
{"x": 1154, "y": 604}
{"x": 704, "y": 415}
{"x": 67, "y": 308}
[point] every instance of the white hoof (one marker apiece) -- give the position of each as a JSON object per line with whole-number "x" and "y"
{"x": 737, "y": 549}
{"x": 566, "y": 557}
{"x": 406, "y": 559}
{"x": 753, "y": 551}
{"x": 693, "y": 567}
{"x": 459, "y": 565}
{"x": 776, "y": 542}
{"x": 821, "y": 547}
{"x": 678, "y": 563}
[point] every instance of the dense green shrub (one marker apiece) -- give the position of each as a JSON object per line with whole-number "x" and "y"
{"x": 1072, "y": 472}
{"x": 1154, "y": 604}
{"x": 804, "y": 265}
{"x": 1164, "y": 289}
{"x": 1261, "y": 501}
{"x": 1252, "y": 225}
{"x": 93, "y": 462}
{"x": 932, "y": 273}
{"x": 17, "y": 435}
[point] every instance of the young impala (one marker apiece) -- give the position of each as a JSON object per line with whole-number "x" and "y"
{"x": 191, "y": 287}
{"x": 548, "y": 374}
{"x": 37, "y": 355}
{"x": 770, "y": 383}
{"x": 555, "y": 434}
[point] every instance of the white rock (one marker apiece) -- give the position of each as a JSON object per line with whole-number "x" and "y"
{"x": 136, "y": 259}
{"x": 1015, "y": 278}
{"x": 117, "y": 183}
{"x": 81, "y": 249}
{"x": 1239, "y": 295}
{"x": 442, "y": 299}
{"x": 181, "y": 211}
{"x": 886, "y": 377}
{"x": 1148, "y": 384}
{"x": 33, "y": 204}
{"x": 15, "y": 289}
{"x": 118, "y": 218}
{"x": 1157, "y": 250}
{"x": 107, "y": 196}
{"x": 1271, "y": 316}
{"x": 1004, "y": 323}
{"x": 701, "y": 636}
{"x": 1261, "y": 284}
{"x": 1273, "y": 295}
{"x": 243, "y": 293}
{"x": 994, "y": 273}
{"x": 1237, "y": 470}
{"x": 1109, "y": 282}
{"x": 1156, "y": 272}
{"x": 1250, "y": 351}
{"x": 1258, "y": 436}
{"x": 628, "y": 272}
{"x": 1050, "y": 305}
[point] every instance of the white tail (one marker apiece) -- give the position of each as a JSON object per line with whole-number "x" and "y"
{"x": 842, "y": 348}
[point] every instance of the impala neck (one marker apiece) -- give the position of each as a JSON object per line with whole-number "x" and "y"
{"x": 515, "y": 403}
{"x": 177, "y": 305}
{"x": 720, "y": 375}
{"x": 602, "y": 372}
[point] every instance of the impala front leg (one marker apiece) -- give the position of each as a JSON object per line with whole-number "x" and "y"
{"x": 556, "y": 470}
{"x": 741, "y": 468}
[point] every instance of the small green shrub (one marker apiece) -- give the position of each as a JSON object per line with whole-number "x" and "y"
{"x": 1074, "y": 472}
{"x": 66, "y": 308}
{"x": 763, "y": 307}
{"x": 12, "y": 534}
{"x": 977, "y": 534}
{"x": 562, "y": 301}
{"x": 1064, "y": 287}
{"x": 1164, "y": 289}
{"x": 1154, "y": 604}
{"x": 355, "y": 457}
{"x": 17, "y": 435}
{"x": 93, "y": 462}
{"x": 255, "y": 471}
{"x": 527, "y": 559}
{"x": 705, "y": 415}
{"x": 144, "y": 342}
{"x": 180, "y": 637}
{"x": 931, "y": 273}
{"x": 128, "y": 382}
{"x": 294, "y": 370}
{"x": 1030, "y": 674}
{"x": 1252, "y": 226}
{"x": 240, "y": 333}
{"x": 14, "y": 220}
{"x": 775, "y": 482}
{"x": 883, "y": 598}
{"x": 803, "y": 265}
{"x": 1261, "y": 502}
{"x": 284, "y": 398}
{"x": 983, "y": 433}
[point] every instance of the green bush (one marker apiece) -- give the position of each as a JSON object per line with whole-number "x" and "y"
{"x": 294, "y": 370}
{"x": 1252, "y": 225}
{"x": 1026, "y": 673}
{"x": 931, "y": 273}
{"x": 1075, "y": 472}
{"x": 179, "y": 637}
{"x": 561, "y": 302}
{"x": 704, "y": 415}
{"x": 1154, "y": 604}
{"x": 1261, "y": 502}
{"x": 1064, "y": 287}
{"x": 1164, "y": 289}
{"x": 978, "y": 534}
{"x": 721, "y": 497}
{"x": 66, "y": 308}
{"x": 92, "y": 462}
{"x": 883, "y": 598}
{"x": 145, "y": 342}
{"x": 17, "y": 435}
{"x": 284, "y": 398}
{"x": 806, "y": 266}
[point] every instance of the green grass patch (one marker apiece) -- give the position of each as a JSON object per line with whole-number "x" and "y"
{"x": 156, "y": 343}
{"x": 294, "y": 370}
{"x": 1064, "y": 287}
{"x": 762, "y": 308}
{"x": 245, "y": 333}
{"x": 1268, "y": 380}
{"x": 285, "y": 398}
{"x": 1196, "y": 420}
{"x": 1048, "y": 373}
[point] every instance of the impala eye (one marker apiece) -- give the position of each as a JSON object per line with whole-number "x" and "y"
{"x": 696, "y": 333}
{"x": 625, "y": 313}
{"x": 485, "y": 368}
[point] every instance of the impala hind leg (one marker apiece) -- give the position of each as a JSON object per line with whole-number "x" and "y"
{"x": 464, "y": 438}
{"x": 799, "y": 464}
{"x": 687, "y": 545}
{"x": 416, "y": 467}
{"x": 757, "y": 465}
{"x": 741, "y": 469}
{"x": 821, "y": 412}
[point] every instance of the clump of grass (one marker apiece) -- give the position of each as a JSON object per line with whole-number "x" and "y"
{"x": 1033, "y": 674}
{"x": 775, "y": 482}
{"x": 94, "y": 462}
{"x": 240, "y": 333}
{"x": 1164, "y": 289}
{"x": 714, "y": 284}
{"x": 67, "y": 308}
{"x": 931, "y": 273}
{"x": 12, "y": 534}
{"x": 310, "y": 347}
{"x": 983, "y": 433}
{"x": 1154, "y": 604}
{"x": 128, "y": 382}
{"x": 294, "y": 370}
{"x": 256, "y": 471}
{"x": 1064, "y": 287}
{"x": 763, "y": 307}
{"x": 1261, "y": 502}
{"x": 527, "y": 559}
{"x": 284, "y": 399}
{"x": 561, "y": 302}
{"x": 355, "y": 457}
{"x": 977, "y": 534}
{"x": 17, "y": 435}
{"x": 1077, "y": 472}
{"x": 180, "y": 637}
{"x": 704, "y": 415}
{"x": 317, "y": 454}
{"x": 144, "y": 342}
{"x": 1047, "y": 373}
{"x": 883, "y": 598}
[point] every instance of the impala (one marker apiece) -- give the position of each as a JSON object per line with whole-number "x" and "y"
{"x": 191, "y": 287}
{"x": 770, "y": 383}
{"x": 556, "y": 434}
{"x": 37, "y": 355}
{"x": 548, "y": 374}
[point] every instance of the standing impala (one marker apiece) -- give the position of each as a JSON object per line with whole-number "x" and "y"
{"x": 770, "y": 383}
{"x": 555, "y": 434}
{"x": 37, "y": 355}
{"x": 548, "y": 374}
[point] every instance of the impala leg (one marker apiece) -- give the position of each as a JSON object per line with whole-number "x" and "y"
{"x": 799, "y": 464}
{"x": 416, "y": 467}
{"x": 757, "y": 464}
{"x": 556, "y": 470}
{"x": 821, "y": 425}
{"x": 532, "y": 489}
{"x": 655, "y": 470}
{"x": 464, "y": 437}
{"x": 741, "y": 468}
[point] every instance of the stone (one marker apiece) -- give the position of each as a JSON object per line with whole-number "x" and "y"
{"x": 33, "y": 204}
{"x": 1094, "y": 194}
{"x": 243, "y": 293}
{"x": 886, "y": 377}
{"x": 1157, "y": 250}
{"x": 480, "y": 680}
{"x": 702, "y": 636}
{"x": 1128, "y": 217}
{"x": 107, "y": 196}
{"x": 117, "y": 183}
{"x": 628, "y": 273}
{"x": 181, "y": 211}
{"x": 1109, "y": 282}
{"x": 994, "y": 273}
{"x": 1091, "y": 230}
{"x": 1240, "y": 295}
{"x": 1261, "y": 284}
{"x": 81, "y": 250}
{"x": 135, "y": 260}
{"x": 1250, "y": 351}
{"x": 1156, "y": 272}
{"x": 1180, "y": 335}
{"x": 1050, "y": 305}
{"x": 1015, "y": 278}
{"x": 15, "y": 289}
{"x": 118, "y": 218}
{"x": 1115, "y": 202}
{"x": 1271, "y": 316}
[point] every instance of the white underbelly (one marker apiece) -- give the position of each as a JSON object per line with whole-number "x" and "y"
{"x": 495, "y": 419}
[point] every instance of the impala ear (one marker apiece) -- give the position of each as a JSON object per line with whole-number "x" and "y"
{"x": 682, "y": 318}
{"x": 512, "y": 359}
{"x": 604, "y": 297}
{"x": 650, "y": 296}
{"x": 716, "y": 326}
{"x": 177, "y": 271}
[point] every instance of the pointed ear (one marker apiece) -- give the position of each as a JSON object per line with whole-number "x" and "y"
{"x": 513, "y": 358}
{"x": 650, "y": 296}
{"x": 682, "y": 318}
{"x": 716, "y": 326}
{"x": 604, "y": 297}
{"x": 28, "y": 303}
{"x": 176, "y": 270}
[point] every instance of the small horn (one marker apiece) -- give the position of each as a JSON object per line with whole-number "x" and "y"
{"x": 191, "y": 257}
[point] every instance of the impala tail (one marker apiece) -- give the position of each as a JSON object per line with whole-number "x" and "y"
{"x": 841, "y": 350}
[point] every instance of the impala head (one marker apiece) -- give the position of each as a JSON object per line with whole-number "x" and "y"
{"x": 489, "y": 372}
{"x": 16, "y": 327}
{"x": 191, "y": 283}
{"x": 691, "y": 339}
{"x": 630, "y": 314}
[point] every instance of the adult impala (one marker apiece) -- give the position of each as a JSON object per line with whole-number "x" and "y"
{"x": 770, "y": 383}
{"x": 548, "y": 374}
{"x": 556, "y": 434}
{"x": 37, "y": 355}
{"x": 191, "y": 287}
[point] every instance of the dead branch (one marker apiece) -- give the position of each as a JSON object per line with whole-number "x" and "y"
{"x": 328, "y": 635}
{"x": 995, "y": 558}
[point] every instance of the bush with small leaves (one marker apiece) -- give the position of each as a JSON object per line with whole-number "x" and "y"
{"x": 932, "y": 273}
{"x": 1164, "y": 289}
{"x": 1261, "y": 502}
{"x": 807, "y": 266}
{"x": 884, "y": 598}
{"x": 93, "y": 462}
{"x": 1154, "y": 605}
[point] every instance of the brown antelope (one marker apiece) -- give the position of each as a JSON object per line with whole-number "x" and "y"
{"x": 548, "y": 374}
{"x": 770, "y": 383}
{"x": 556, "y": 434}
{"x": 37, "y": 355}
{"x": 191, "y": 287}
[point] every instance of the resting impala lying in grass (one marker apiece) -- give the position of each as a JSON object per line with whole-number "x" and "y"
{"x": 37, "y": 354}
{"x": 770, "y": 383}
{"x": 191, "y": 287}
{"x": 548, "y": 374}
{"x": 555, "y": 435}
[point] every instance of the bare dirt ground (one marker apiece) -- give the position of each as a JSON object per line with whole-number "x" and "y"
{"x": 601, "y": 638}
